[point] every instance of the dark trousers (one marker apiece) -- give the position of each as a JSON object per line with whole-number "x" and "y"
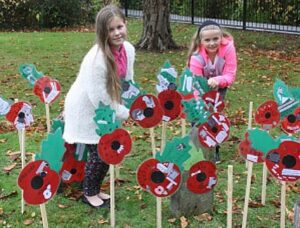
{"x": 95, "y": 171}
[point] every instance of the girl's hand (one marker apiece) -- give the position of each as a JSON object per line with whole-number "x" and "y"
{"x": 213, "y": 83}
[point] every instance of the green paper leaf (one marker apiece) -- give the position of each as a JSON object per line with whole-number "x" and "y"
{"x": 262, "y": 141}
{"x": 200, "y": 84}
{"x": 30, "y": 73}
{"x": 52, "y": 150}
{"x": 195, "y": 110}
{"x": 57, "y": 123}
{"x": 196, "y": 154}
{"x": 106, "y": 120}
{"x": 81, "y": 152}
{"x": 176, "y": 151}
{"x": 186, "y": 82}
{"x": 130, "y": 91}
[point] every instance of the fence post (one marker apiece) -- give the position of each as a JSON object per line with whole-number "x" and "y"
{"x": 193, "y": 11}
{"x": 297, "y": 214}
{"x": 244, "y": 14}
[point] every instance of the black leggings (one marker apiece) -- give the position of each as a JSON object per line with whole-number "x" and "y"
{"x": 95, "y": 171}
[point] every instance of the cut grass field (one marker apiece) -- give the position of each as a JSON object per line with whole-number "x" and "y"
{"x": 262, "y": 57}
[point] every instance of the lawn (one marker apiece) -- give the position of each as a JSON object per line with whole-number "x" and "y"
{"x": 262, "y": 57}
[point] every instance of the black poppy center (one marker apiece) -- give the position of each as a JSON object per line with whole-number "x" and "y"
{"x": 169, "y": 105}
{"x": 157, "y": 177}
{"x": 115, "y": 145}
{"x": 37, "y": 182}
{"x": 291, "y": 118}
{"x": 172, "y": 86}
{"x": 214, "y": 129}
{"x": 289, "y": 161}
{"x": 21, "y": 115}
{"x": 47, "y": 89}
{"x": 73, "y": 171}
{"x": 267, "y": 115}
{"x": 201, "y": 177}
{"x": 148, "y": 112}
{"x": 125, "y": 86}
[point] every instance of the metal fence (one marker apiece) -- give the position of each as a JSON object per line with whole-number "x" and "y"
{"x": 264, "y": 15}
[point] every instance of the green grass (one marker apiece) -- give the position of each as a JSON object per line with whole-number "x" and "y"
{"x": 262, "y": 57}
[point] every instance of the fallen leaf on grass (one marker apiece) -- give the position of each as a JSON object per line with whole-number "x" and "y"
{"x": 254, "y": 204}
{"x": 1, "y": 211}
{"x": 171, "y": 220}
{"x": 3, "y": 140}
{"x": 127, "y": 226}
{"x": 143, "y": 206}
{"x": 203, "y": 217}
{"x": 183, "y": 222}
{"x": 28, "y": 222}
{"x": 9, "y": 168}
{"x": 14, "y": 193}
{"x": 276, "y": 203}
{"x": 61, "y": 206}
{"x": 102, "y": 221}
{"x": 290, "y": 215}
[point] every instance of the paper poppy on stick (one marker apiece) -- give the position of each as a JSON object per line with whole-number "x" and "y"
{"x": 170, "y": 101}
{"x": 47, "y": 89}
{"x": 113, "y": 147}
{"x": 72, "y": 170}
{"x": 202, "y": 177}
{"x": 20, "y": 115}
{"x": 146, "y": 111}
{"x": 248, "y": 152}
{"x": 214, "y": 101}
{"x": 284, "y": 161}
{"x": 160, "y": 179}
{"x": 38, "y": 182}
{"x": 214, "y": 131}
{"x": 267, "y": 115}
{"x": 291, "y": 123}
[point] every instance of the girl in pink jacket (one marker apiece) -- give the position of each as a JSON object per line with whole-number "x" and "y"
{"x": 212, "y": 55}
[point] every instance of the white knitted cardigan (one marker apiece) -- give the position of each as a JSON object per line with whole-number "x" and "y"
{"x": 85, "y": 94}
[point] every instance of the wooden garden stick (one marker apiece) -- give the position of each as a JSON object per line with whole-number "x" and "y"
{"x": 21, "y": 134}
{"x": 163, "y": 136}
{"x": 264, "y": 184}
{"x": 229, "y": 196}
{"x": 245, "y": 212}
{"x": 282, "y": 204}
{"x": 152, "y": 141}
{"x": 117, "y": 171}
{"x": 249, "y": 121}
{"x": 112, "y": 195}
{"x": 48, "y": 117}
{"x": 44, "y": 215}
{"x": 183, "y": 126}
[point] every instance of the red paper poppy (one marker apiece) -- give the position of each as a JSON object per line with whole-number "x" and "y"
{"x": 291, "y": 123}
{"x": 113, "y": 147}
{"x": 161, "y": 179}
{"x": 47, "y": 89}
{"x": 267, "y": 115}
{"x": 20, "y": 115}
{"x": 146, "y": 111}
{"x": 284, "y": 162}
{"x": 248, "y": 153}
{"x": 202, "y": 177}
{"x": 72, "y": 170}
{"x": 214, "y": 101}
{"x": 38, "y": 182}
{"x": 214, "y": 131}
{"x": 170, "y": 101}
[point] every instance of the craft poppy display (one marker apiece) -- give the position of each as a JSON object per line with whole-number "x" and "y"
{"x": 202, "y": 177}
{"x": 284, "y": 161}
{"x": 214, "y": 101}
{"x": 214, "y": 131}
{"x": 20, "y": 115}
{"x": 72, "y": 170}
{"x": 38, "y": 182}
{"x": 267, "y": 115}
{"x": 47, "y": 89}
{"x": 113, "y": 147}
{"x": 291, "y": 123}
{"x": 146, "y": 111}
{"x": 170, "y": 101}
{"x": 185, "y": 98}
{"x": 248, "y": 153}
{"x": 160, "y": 179}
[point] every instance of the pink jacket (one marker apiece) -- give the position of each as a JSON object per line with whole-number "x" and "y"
{"x": 224, "y": 69}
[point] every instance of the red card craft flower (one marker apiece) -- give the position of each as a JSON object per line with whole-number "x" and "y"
{"x": 113, "y": 147}
{"x": 284, "y": 162}
{"x": 160, "y": 179}
{"x": 146, "y": 111}
{"x": 20, "y": 115}
{"x": 248, "y": 153}
{"x": 72, "y": 170}
{"x": 214, "y": 131}
{"x": 214, "y": 101}
{"x": 291, "y": 123}
{"x": 267, "y": 115}
{"x": 170, "y": 101}
{"x": 38, "y": 182}
{"x": 47, "y": 89}
{"x": 202, "y": 177}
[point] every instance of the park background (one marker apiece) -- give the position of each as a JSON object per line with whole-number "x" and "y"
{"x": 57, "y": 51}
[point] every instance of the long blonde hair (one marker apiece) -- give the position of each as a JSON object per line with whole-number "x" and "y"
{"x": 196, "y": 38}
{"x": 103, "y": 19}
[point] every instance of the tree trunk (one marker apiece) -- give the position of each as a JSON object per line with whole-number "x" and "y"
{"x": 187, "y": 203}
{"x": 157, "y": 34}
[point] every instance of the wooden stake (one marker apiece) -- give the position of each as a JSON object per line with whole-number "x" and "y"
{"x": 282, "y": 204}
{"x": 249, "y": 122}
{"x": 112, "y": 196}
{"x": 44, "y": 215}
{"x": 48, "y": 117}
{"x": 264, "y": 184}
{"x": 245, "y": 212}
{"x": 152, "y": 141}
{"x": 21, "y": 134}
{"x": 163, "y": 136}
{"x": 229, "y": 196}
{"x": 117, "y": 171}
{"x": 183, "y": 126}
{"x": 158, "y": 213}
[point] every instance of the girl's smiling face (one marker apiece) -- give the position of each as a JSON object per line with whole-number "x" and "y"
{"x": 211, "y": 40}
{"x": 117, "y": 32}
